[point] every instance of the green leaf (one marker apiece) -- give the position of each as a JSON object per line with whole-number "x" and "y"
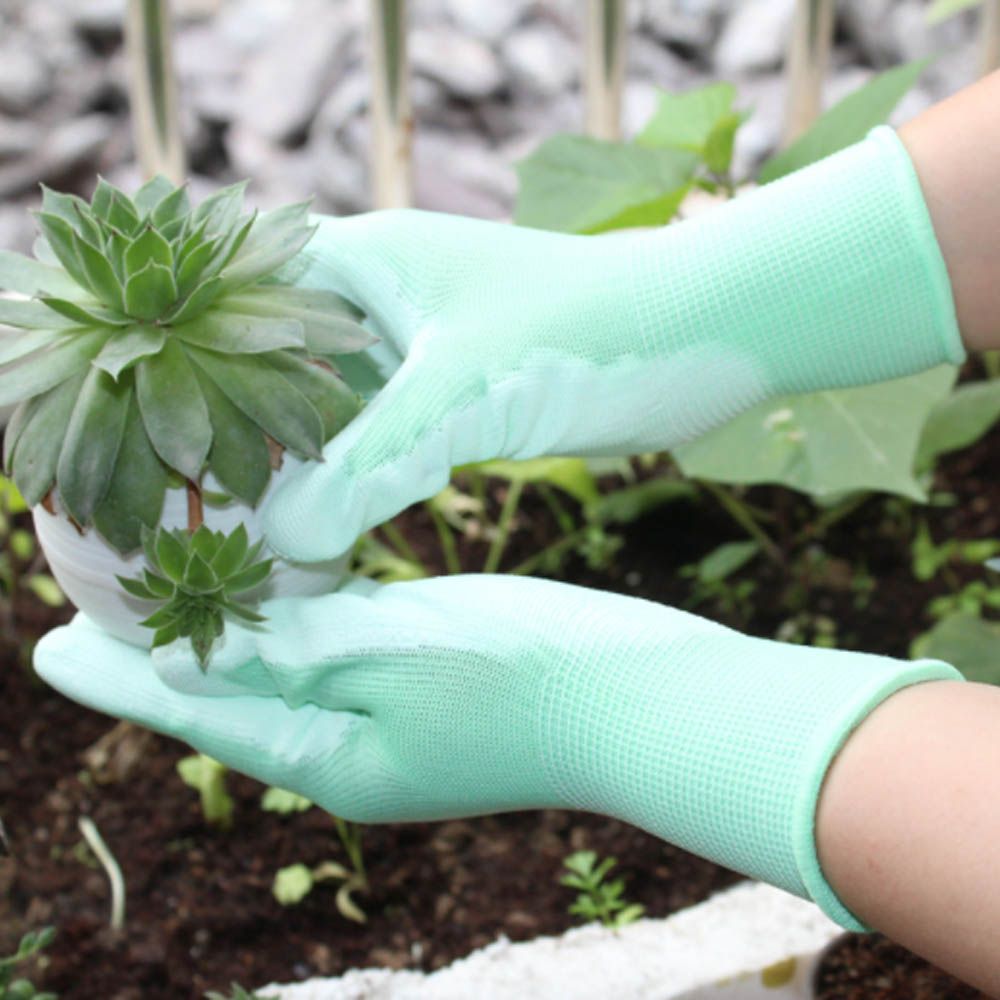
{"x": 825, "y": 442}
{"x": 151, "y": 194}
{"x": 725, "y": 560}
{"x": 239, "y": 458}
{"x": 122, "y": 215}
{"x": 959, "y": 420}
{"x": 124, "y": 349}
{"x": 577, "y": 185}
{"x": 198, "y": 301}
{"x": 64, "y": 357}
{"x": 171, "y": 556}
{"x": 247, "y": 267}
{"x": 847, "y": 122}
{"x": 335, "y": 402}
{"x": 230, "y": 555}
{"x": 230, "y": 334}
{"x": 103, "y": 202}
{"x": 171, "y": 207}
{"x": 93, "y": 437}
{"x": 150, "y": 292}
{"x": 60, "y": 236}
{"x": 570, "y": 475}
{"x": 67, "y": 207}
{"x": 941, "y": 10}
{"x": 165, "y": 635}
{"x": 632, "y": 502}
{"x": 134, "y": 498}
{"x": 292, "y": 884}
{"x": 199, "y": 576}
{"x": 37, "y": 451}
{"x": 173, "y": 409}
{"x": 137, "y": 588}
{"x": 101, "y": 277}
{"x": 22, "y": 274}
{"x": 219, "y": 211}
{"x": 82, "y": 315}
{"x": 148, "y": 246}
{"x": 280, "y": 800}
{"x": 18, "y": 345}
{"x": 243, "y": 612}
{"x": 191, "y": 266}
{"x": 966, "y": 642}
{"x": 247, "y": 579}
{"x": 230, "y": 246}
{"x": 266, "y": 397}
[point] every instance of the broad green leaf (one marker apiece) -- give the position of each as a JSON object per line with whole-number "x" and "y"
{"x": 725, "y": 560}
{"x": 170, "y": 555}
{"x": 959, "y": 420}
{"x": 232, "y": 334}
{"x": 173, "y": 409}
{"x": 149, "y": 292}
{"x": 335, "y": 402}
{"x": 577, "y": 185}
{"x": 157, "y": 585}
{"x": 266, "y": 397}
{"x": 292, "y": 884}
{"x": 124, "y": 349}
{"x": 847, "y": 122}
{"x": 570, "y": 475}
{"x": 700, "y": 121}
{"x": 361, "y": 373}
{"x": 941, "y": 10}
{"x": 28, "y": 277}
{"x": 966, "y": 642}
{"x": 37, "y": 451}
{"x": 100, "y": 274}
{"x": 148, "y": 246}
{"x": 18, "y": 421}
{"x": 83, "y": 315}
{"x": 825, "y": 442}
{"x": 230, "y": 555}
{"x": 71, "y": 353}
{"x": 93, "y": 437}
{"x": 19, "y": 345}
{"x": 632, "y": 502}
{"x": 151, "y": 194}
{"x": 239, "y": 458}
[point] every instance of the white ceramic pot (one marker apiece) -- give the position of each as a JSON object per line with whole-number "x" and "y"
{"x": 86, "y": 566}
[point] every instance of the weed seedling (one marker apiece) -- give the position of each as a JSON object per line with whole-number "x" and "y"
{"x": 598, "y": 899}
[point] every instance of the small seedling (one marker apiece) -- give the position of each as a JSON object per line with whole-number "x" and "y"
{"x": 22, "y": 989}
{"x": 598, "y": 899}
{"x": 208, "y": 777}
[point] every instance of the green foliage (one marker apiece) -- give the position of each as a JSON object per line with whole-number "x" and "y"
{"x": 711, "y": 581}
{"x": 598, "y": 899}
{"x": 21, "y": 989}
{"x": 958, "y": 420}
{"x": 966, "y": 641}
{"x": 941, "y": 10}
{"x": 197, "y": 579}
{"x": 825, "y": 443}
{"x": 846, "y": 122}
{"x": 156, "y": 340}
{"x": 208, "y": 778}
{"x": 280, "y": 800}
{"x": 929, "y": 558}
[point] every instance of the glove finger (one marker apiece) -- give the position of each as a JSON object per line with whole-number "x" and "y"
{"x": 258, "y": 736}
{"x": 398, "y": 451}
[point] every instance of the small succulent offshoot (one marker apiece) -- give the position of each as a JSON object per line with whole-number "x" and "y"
{"x": 197, "y": 578}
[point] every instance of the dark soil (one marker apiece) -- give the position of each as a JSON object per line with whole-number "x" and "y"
{"x": 200, "y": 909}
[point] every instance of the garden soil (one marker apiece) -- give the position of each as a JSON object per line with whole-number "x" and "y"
{"x": 200, "y": 913}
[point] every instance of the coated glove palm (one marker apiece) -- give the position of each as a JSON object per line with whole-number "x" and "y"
{"x": 513, "y": 342}
{"x": 465, "y": 695}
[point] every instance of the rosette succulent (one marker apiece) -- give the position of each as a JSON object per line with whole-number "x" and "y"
{"x": 156, "y": 345}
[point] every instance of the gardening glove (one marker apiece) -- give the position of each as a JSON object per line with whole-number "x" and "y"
{"x": 460, "y": 696}
{"x": 519, "y": 343}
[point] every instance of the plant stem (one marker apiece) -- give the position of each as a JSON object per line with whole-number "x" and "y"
{"x": 565, "y": 519}
{"x": 532, "y": 562}
{"x": 111, "y": 868}
{"x": 504, "y": 524}
{"x": 737, "y": 510}
{"x": 195, "y": 509}
{"x": 403, "y": 547}
{"x": 447, "y": 539}
{"x": 350, "y": 837}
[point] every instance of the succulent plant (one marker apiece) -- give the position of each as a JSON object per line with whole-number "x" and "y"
{"x": 197, "y": 577}
{"x": 158, "y": 344}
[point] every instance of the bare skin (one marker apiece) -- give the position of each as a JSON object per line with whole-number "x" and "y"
{"x": 909, "y": 814}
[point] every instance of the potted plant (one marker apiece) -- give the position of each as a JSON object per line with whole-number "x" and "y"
{"x": 165, "y": 379}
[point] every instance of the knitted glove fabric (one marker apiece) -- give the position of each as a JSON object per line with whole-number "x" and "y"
{"x": 466, "y": 695}
{"x": 519, "y": 343}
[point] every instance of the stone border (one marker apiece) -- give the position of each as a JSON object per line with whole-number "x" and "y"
{"x": 717, "y": 949}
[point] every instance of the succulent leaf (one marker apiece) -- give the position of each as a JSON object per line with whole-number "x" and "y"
{"x": 173, "y": 409}
{"x": 29, "y": 277}
{"x": 84, "y": 315}
{"x": 14, "y": 347}
{"x": 66, "y": 356}
{"x": 93, "y": 437}
{"x": 121, "y": 352}
{"x": 60, "y": 236}
{"x": 196, "y": 303}
{"x": 229, "y": 333}
{"x": 148, "y": 246}
{"x": 137, "y": 588}
{"x": 100, "y": 275}
{"x": 134, "y": 498}
{"x": 30, "y": 314}
{"x": 231, "y": 554}
{"x": 151, "y": 194}
{"x": 171, "y": 554}
{"x": 150, "y": 292}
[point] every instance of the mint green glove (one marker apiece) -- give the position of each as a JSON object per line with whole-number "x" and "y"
{"x": 518, "y": 343}
{"x": 466, "y": 695}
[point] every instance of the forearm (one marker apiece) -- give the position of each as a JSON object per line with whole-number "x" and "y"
{"x": 955, "y": 147}
{"x": 908, "y": 822}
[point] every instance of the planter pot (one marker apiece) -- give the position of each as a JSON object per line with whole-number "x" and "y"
{"x": 85, "y": 565}
{"x": 751, "y": 942}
